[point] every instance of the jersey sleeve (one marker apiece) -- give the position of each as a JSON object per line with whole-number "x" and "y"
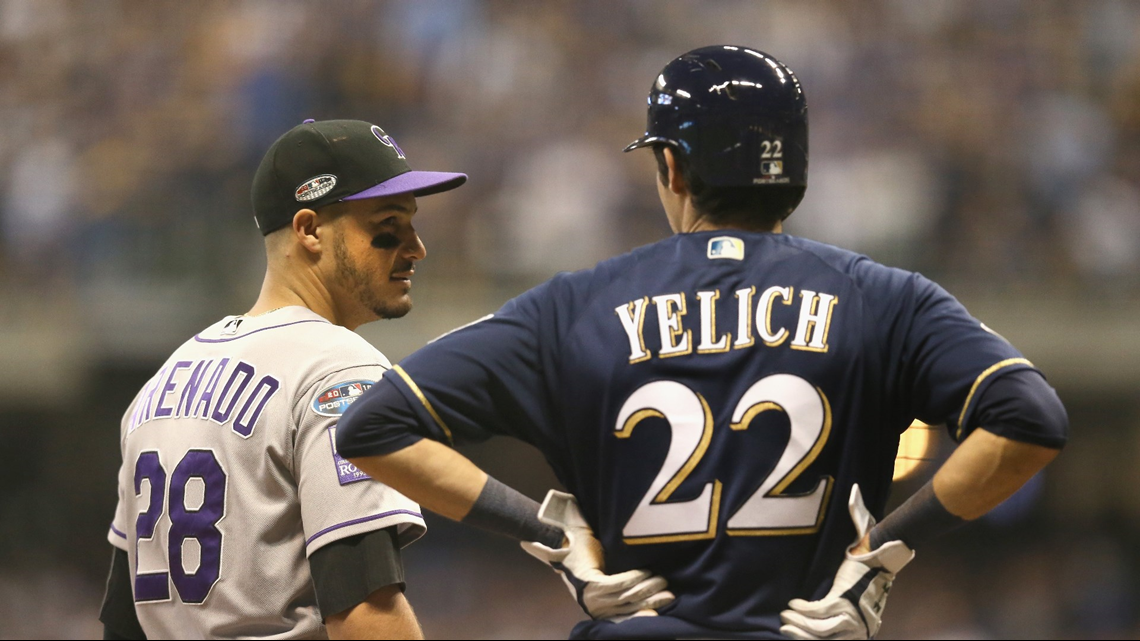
{"x": 488, "y": 378}
{"x": 337, "y": 499}
{"x": 941, "y": 358}
{"x": 117, "y": 532}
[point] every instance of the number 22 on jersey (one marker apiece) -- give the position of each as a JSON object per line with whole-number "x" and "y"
{"x": 198, "y": 523}
{"x": 767, "y": 511}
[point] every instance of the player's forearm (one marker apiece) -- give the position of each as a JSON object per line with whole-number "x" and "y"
{"x": 385, "y": 614}
{"x": 431, "y": 474}
{"x": 985, "y": 470}
{"x": 445, "y": 482}
{"x": 1024, "y": 427}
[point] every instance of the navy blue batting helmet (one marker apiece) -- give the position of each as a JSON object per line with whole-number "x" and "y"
{"x": 739, "y": 116}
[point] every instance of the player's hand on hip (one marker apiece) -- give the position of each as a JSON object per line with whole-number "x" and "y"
{"x": 853, "y": 608}
{"x": 580, "y": 561}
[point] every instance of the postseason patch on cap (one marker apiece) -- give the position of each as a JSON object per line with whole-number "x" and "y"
{"x": 336, "y": 399}
{"x": 726, "y": 247}
{"x": 314, "y": 188}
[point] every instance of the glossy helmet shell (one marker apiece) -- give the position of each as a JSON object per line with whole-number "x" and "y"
{"x": 738, "y": 114}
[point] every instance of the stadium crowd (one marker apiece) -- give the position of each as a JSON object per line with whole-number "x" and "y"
{"x": 995, "y": 141}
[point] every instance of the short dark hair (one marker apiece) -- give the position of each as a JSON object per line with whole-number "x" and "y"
{"x": 754, "y": 207}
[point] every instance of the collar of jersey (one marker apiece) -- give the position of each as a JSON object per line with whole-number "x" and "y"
{"x": 282, "y": 317}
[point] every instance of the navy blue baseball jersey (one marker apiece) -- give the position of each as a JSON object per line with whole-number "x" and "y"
{"x": 710, "y": 400}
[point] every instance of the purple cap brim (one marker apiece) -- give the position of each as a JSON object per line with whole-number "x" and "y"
{"x": 418, "y": 183}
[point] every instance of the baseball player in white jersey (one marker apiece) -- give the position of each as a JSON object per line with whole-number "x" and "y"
{"x": 236, "y": 516}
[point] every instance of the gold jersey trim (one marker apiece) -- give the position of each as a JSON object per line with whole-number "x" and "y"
{"x": 978, "y": 382}
{"x": 426, "y": 403}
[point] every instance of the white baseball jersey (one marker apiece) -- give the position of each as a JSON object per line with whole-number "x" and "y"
{"x": 231, "y": 478}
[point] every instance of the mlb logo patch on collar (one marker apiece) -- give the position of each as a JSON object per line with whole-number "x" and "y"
{"x": 726, "y": 247}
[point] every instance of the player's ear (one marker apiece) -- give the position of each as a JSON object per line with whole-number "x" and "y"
{"x": 305, "y": 229}
{"x": 676, "y": 180}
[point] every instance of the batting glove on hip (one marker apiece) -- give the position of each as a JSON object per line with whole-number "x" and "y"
{"x": 853, "y": 608}
{"x": 581, "y": 565}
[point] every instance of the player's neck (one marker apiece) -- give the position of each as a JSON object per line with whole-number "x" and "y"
{"x": 692, "y": 220}
{"x": 278, "y": 292}
{"x": 702, "y": 224}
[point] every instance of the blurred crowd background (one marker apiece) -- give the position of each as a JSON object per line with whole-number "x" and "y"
{"x": 994, "y": 146}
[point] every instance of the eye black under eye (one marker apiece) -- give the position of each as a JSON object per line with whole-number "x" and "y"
{"x": 385, "y": 241}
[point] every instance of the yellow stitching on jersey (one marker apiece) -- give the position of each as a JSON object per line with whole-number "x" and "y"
{"x": 816, "y": 448}
{"x": 813, "y": 308}
{"x": 694, "y": 458}
{"x": 673, "y": 333}
{"x": 423, "y": 399}
{"x": 627, "y": 429}
{"x": 981, "y": 377}
{"x": 805, "y": 462}
{"x": 796, "y": 531}
{"x": 753, "y": 411}
{"x": 741, "y": 343}
{"x": 714, "y": 516}
{"x": 768, "y": 314}
{"x": 711, "y": 329}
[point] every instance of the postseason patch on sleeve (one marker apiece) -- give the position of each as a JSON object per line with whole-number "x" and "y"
{"x": 333, "y": 401}
{"x": 336, "y": 399}
{"x": 345, "y": 472}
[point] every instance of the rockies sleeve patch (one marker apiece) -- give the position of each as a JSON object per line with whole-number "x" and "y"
{"x": 345, "y": 472}
{"x": 336, "y": 399}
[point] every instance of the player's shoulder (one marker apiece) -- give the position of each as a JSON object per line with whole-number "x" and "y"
{"x": 829, "y": 257}
{"x": 584, "y": 282}
{"x": 865, "y": 273}
{"x": 341, "y": 346}
{"x": 294, "y": 341}
{"x": 568, "y": 291}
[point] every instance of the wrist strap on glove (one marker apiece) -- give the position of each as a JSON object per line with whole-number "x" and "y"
{"x": 580, "y": 561}
{"x": 852, "y": 609}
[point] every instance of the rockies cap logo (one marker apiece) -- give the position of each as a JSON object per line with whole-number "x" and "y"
{"x": 387, "y": 140}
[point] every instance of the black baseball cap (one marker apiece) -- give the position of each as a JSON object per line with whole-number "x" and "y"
{"x": 319, "y": 163}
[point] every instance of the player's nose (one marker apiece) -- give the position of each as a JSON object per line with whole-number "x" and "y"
{"x": 414, "y": 248}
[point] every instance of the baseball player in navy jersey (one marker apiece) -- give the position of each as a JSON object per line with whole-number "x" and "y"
{"x": 724, "y": 406}
{"x": 237, "y": 517}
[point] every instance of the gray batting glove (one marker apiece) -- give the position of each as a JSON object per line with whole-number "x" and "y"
{"x": 581, "y": 564}
{"x": 853, "y": 608}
